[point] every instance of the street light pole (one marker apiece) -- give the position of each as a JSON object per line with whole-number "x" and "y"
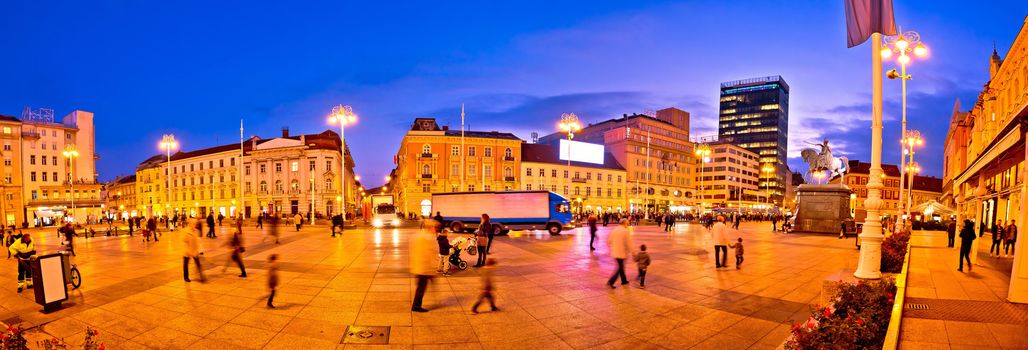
{"x": 168, "y": 143}
{"x": 702, "y": 151}
{"x": 343, "y": 115}
{"x": 902, "y": 44}
{"x": 569, "y": 124}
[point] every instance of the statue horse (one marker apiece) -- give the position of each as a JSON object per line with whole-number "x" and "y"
{"x": 820, "y": 162}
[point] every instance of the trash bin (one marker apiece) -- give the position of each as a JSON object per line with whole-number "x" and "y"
{"x": 49, "y": 280}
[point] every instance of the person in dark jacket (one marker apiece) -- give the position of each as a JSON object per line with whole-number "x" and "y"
{"x": 951, "y": 233}
{"x": 997, "y": 238}
{"x": 444, "y": 253}
{"x": 439, "y": 221}
{"x": 490, "y": 231}
{"x": 236, "y": 246}
{"x": 210, "y": 226}
{"x": 592, "y": 231}
{"x": 260, "y": 220}
{"x": 337, "y": 220}
{"x": 967, "y": 236}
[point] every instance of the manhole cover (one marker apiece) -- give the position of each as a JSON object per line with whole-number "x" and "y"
{"x": 366, "y": 335}
{"x": 917, "y": 306}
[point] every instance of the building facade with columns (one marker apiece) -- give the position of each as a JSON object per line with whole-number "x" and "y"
{"x": 278, "y": 176}
{"x": 595, "y": 187}
{"x": 984, "y": 171}
{"x": 12, "y": 203}
{"x": 433, "y": 158}
{"x": 656, "y": 153}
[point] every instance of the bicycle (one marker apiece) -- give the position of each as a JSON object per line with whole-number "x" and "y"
{"x": 71, "y": 270}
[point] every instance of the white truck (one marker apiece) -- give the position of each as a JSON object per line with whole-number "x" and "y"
{"x": 507, "y": 210}
{"x": 383, "y": 211}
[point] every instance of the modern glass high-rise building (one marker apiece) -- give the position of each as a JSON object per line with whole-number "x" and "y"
{"x": 755, "y": 116}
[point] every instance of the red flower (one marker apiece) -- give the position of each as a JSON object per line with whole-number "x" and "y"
{"x": 827, "y": 313}
{"x": 860, "y": 322}
{"x": 103, "y": 347}
{"x": 810, "y": 325}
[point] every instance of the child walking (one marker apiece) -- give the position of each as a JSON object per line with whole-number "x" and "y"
{"x": 272, "y": 279}
{"x": 738, "y": 253}
{"x": 487, "y": 286}
{"x": 642, "y": 260}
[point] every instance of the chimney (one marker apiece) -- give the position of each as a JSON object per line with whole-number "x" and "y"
{"x": 303, "y": 140}
{"x": 285, "y": 131}
{"x": 446, "y": 127}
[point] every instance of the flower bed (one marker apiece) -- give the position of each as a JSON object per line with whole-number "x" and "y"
{"x": 857, "y": 319}
{"x": 894, "y": 250}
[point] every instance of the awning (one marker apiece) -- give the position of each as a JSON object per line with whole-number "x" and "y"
{"x": 933, "y": 208}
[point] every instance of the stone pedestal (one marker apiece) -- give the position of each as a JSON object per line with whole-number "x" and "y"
{"x": 821, "y": 208}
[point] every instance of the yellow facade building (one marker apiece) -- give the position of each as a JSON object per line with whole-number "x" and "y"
{"x": 11, "y": 200}
{"x": 435, "y": 159}
{"x": 595, "y": 187}
{"x": 984, "y": 171}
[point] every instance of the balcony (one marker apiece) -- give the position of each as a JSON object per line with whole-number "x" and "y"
{"x": 426, "y": 176}
{"x": 509, "y": 159}
{"x": 426, "y": 155}
{"x": 29, "y": 134}
{"x": 578, "y": 179}
{"x": 508, "y": 178}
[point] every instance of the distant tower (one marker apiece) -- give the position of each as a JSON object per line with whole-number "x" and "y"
{"x": 535, "y": 137}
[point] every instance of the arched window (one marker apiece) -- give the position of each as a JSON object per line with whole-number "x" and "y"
{"x": 328, "y": 184}
{"x": 508, "y": 172}
{"x": 294, "y": 185}
{"x": 426, "y": 149}
{"x": 426, "y": 170}
{"x": 508, "y": 153}
{"x": 278, "y": 185}
{"x": 576, "y": 190}
{"x": 264, "y": 186}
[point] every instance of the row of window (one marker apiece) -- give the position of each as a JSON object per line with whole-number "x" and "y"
{"x": 487, "y": 171}
{"x": 56, "y": 194}
{"x": 42, "y": 159}
{"x": 455, "y": 151}
{"x": 578, "y": 175}
{"x": 44, "y": 176}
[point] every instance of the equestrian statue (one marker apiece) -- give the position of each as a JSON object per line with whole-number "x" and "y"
{"x": 823, "y": 160}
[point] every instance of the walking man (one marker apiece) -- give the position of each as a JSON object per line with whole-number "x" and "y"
{"x": 236, "y": 244}
{"x": 966, "y": 237}
{"x": 951, "y": 233}
{"x": 1009, "y": 237}
{"x": 592, "y": 231}
{"x": 210, "y": 226}
{"x": 298, "y": 220}
{"x": 620, "y": 242}
{"x": 260, "y": 220}
{"x": 720, "y": 235}
{"x": 191, "y": 251}
{"x": 422, "y": 255}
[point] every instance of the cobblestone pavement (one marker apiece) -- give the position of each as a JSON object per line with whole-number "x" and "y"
{"x": 964, "y": 309}
{"x": 551, "y": 291}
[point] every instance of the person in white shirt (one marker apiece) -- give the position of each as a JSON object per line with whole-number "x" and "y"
{"x": 620, "y": 242}
{"x": 720, "y": 235}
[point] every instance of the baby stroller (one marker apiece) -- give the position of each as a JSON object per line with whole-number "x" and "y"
{"x": 459, "y": 244}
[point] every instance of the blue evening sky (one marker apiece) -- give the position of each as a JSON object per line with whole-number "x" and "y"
{"x": 194, "y": 68}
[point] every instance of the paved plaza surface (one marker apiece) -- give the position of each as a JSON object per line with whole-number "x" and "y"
{"x": 551, "y": 292}
{"x": 964, "y": 309}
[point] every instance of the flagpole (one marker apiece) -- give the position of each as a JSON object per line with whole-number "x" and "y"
{"x": 463, "y": 168}
{"x": 869, "y": 265}
{"x": 239, "y": 170}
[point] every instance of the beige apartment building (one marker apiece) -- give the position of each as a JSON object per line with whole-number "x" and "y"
{"x": 730, "y": 180}
{"x": 595, "y": 187}
{"x": 121, "y": 198}
{"x": 656, "y": 153}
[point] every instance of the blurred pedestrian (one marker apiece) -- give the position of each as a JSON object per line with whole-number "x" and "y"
{"x": 422, "y": 255}
{"x": 272, "y": 279}
{"x": 720, "y": 235}
{"x": 620, "y": 243}
{"x": 1009, "y": 237}
{"x": 260, "y": 220}
{"x": 210, "y": 226}
{"x": 490, "y": 231}
{"x": 642, "y": 261}
{"x": 951, "y": 233}
{"x": 444, "y": 253}
{"x": 235, "y": 244}
{"x": 298, "y": 220}
{"x": 592, "y": 231}
{"x": 191, "y": 251}
{"x": 997, "y": 238}
{"x": 967, "y": 236}
{"x": 486, "y": 274}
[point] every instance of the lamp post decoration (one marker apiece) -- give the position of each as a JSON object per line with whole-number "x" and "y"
{"x": 343, "y": 115}
{"x": 71, "y": 153}
{"x": 902, "y": 46}
{"x": 168, "y": 143}
{"x": 768, "y": 169}
{"x": 569, "y": 123}
{"x": 912, "y": 138}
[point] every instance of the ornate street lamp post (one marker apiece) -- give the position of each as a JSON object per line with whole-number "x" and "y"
{"x": 902, "y": 45}
{"x": 343, "y": 115}
{"x": 569, "y": 124}
{"x": 168, "y": 143}
{"x": 702, "y": 152}
{"x": 71, "y": 153}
